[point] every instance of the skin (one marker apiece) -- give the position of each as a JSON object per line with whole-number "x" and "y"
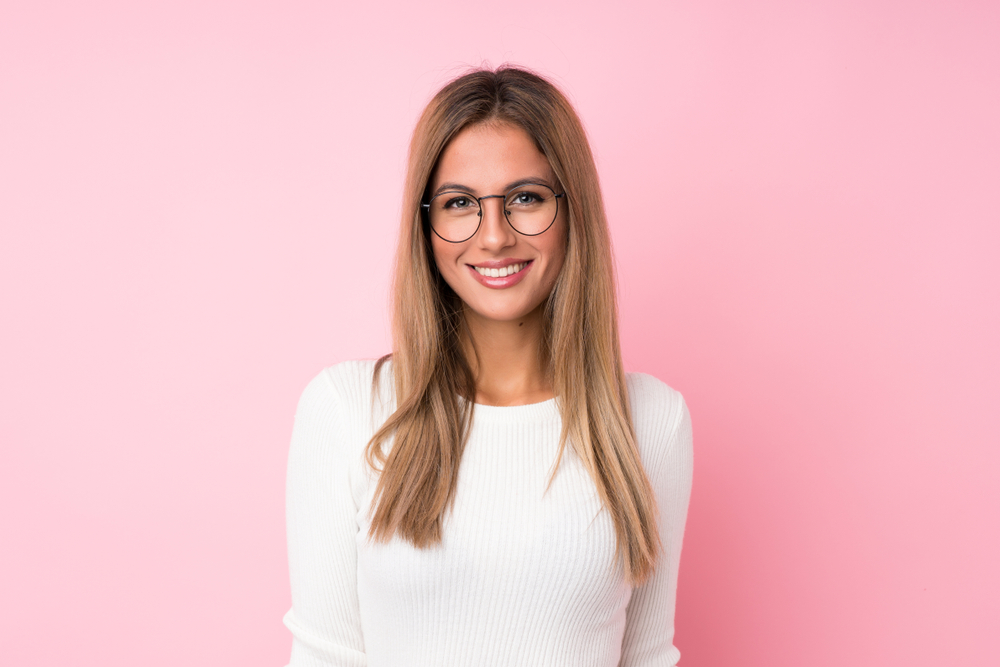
{"x": 506, "y": 324}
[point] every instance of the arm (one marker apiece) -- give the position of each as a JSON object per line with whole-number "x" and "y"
{"x": 649, "y": 626}
{"x": 321, "y": 524}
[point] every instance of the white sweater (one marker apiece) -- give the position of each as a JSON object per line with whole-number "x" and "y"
{"x": 524, "y": 576}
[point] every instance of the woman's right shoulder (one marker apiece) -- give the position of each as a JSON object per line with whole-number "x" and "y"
{"x": 337, "y": 415}
{"x": 346, "y": 389}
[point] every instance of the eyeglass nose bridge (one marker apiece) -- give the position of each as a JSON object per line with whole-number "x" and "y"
{"x": 506, "y": 213}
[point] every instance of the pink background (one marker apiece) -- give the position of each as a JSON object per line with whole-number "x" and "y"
{"x": 199, "y": 202}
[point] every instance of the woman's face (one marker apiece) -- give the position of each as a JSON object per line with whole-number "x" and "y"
{"x": 488, "y": 159}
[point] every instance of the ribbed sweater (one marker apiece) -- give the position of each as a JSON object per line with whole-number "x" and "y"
{"x": 526, "y": 574}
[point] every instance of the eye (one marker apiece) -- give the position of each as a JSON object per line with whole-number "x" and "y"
{"x": 525, "y": 199}
{"x": 459, "y": 203}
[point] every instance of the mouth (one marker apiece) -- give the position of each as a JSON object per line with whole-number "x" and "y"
{"x": 500, "y": 272}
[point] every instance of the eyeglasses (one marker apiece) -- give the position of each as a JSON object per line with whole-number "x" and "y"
{"x": 530, "y": 209}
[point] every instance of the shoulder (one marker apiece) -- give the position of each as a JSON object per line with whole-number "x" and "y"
{"x": 347, "y": 381}
{"x": 653, "y": 402}
{"x": 343, "y": 394}
{"x": 661, "y": 420}
{"x": 334, "y": 383}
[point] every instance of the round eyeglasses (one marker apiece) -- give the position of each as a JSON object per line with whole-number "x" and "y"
{"x": 530, "y": 209}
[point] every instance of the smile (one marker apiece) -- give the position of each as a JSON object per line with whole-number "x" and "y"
{"x": 501, "y": 272}
{"x": 500, "y": 277}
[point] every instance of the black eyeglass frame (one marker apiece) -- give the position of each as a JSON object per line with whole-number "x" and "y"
{"x": 479, "y": 201}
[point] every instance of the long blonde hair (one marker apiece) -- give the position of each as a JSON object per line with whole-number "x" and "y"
{"x": 434, "y": 385}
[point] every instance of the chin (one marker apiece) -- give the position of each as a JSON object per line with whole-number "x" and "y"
{"x": 502, "y": 314}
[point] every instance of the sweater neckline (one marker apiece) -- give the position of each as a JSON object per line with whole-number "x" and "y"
{"x": 543, "y": 410}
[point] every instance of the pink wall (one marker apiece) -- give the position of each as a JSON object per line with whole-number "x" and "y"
{"x": 805, "y": 200}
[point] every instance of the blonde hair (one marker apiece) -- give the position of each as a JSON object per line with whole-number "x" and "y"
{"x": 432, "y": 376}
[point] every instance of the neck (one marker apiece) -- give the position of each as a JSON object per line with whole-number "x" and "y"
{"x": 507, "y": 359}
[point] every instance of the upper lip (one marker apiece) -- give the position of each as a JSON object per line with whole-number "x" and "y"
{"x": 499, "y": 263}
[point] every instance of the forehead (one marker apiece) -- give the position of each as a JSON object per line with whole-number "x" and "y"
{"x": 487, "y": 157}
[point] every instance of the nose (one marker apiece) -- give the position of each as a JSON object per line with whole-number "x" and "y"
{"x": 495, "y": 233}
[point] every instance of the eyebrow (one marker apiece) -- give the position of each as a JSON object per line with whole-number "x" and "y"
{"x": 447, "y": 187}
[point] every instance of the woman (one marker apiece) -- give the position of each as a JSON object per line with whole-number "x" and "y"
{"x": 497, "y": 491}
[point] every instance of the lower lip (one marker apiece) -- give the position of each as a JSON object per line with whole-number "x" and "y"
{"x": 501, "y": 283}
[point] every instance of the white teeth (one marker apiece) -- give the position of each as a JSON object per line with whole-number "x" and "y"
{"x": 500, "y": 273}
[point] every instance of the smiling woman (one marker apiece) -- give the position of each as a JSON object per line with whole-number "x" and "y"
{"x": 497, "y": 491}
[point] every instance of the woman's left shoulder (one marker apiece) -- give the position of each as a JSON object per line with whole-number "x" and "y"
{"x": 651, "y": 398}
{"x": 660, "y": 417}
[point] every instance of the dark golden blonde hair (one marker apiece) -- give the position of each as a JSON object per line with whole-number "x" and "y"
{"x": 434, "y": 385}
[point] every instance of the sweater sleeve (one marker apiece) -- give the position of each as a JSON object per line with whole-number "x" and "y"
{"x": 322, "y": 528}
{"x": 665, "y": 425}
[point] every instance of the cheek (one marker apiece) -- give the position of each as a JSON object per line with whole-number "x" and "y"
{"x": 557, "y": 249}
{"x": 445, "y": 257}
{"x": 439, "y": 252}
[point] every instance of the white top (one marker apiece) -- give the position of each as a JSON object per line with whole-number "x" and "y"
{"x": 524, "y": 576}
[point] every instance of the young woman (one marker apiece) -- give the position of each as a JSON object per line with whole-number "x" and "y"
{"x": 497, "y": 491}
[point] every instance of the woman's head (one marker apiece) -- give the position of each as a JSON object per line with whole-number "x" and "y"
{"x": 506, "y": 109}
{"x": 496, "y": 229}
